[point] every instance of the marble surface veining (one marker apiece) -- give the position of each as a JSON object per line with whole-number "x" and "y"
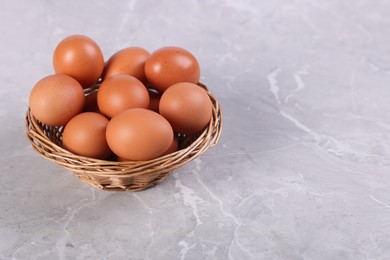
{"x": 302, "y": 169}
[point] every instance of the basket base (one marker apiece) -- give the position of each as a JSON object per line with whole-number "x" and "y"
{"x": 131, "y": 183}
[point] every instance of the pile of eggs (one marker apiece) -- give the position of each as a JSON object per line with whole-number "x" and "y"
{"x": 144, "y": 102}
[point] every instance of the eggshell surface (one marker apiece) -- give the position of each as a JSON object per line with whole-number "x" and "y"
{"x": 55, "y": 99}
{"x": 139, "y": 134}
{"x": 129, "y": 61}
{"x": 79, "y": 57}
{"x": 85, "y": 135}
{"x": 121, "y": 92}
{"x": 187, "y": 107}
{"x": 170, "y": 65}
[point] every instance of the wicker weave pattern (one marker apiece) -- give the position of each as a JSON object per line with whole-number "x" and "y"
{"x": 132, "y": 175}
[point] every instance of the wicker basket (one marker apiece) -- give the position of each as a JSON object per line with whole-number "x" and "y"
{"x": 131, "y": 175}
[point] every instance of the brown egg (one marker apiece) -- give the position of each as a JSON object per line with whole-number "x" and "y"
{"x": 91, "y": 103}
{"x": 187, "y": 107}
{"x": 85, "y": 135}
{"x": 170, "y": 65}
{"x": 80, "y": 57}
{"x": 154, "y": 100}
{"x": 55, "y": 99}
{"x": 129, "y": 61}
{"x": 120, "y": 92}
{"x": 139, "y": 134}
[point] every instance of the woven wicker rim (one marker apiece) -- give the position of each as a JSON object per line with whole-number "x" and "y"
{"x": 129, "y": 175}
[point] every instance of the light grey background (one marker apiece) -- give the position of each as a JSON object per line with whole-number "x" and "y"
{"x": 301, "y": 170}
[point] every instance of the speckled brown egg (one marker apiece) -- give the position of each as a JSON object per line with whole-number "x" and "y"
{"x": 139, "y": 134}
{"x": 129, "y": 61}
{"x": 187, "y": 107}
{"x": 79, "y": 57}
{"x": 55, "y": 99}
{"x": 170, "y": 65}
{"x": 120, "y": 92}
{"x": 85, "y": 135}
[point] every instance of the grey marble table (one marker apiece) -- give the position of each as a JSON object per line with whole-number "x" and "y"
{"x": 302, "y": 169}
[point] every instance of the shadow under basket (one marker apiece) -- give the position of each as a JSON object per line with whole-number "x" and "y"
{"x": 130, "y": 175}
